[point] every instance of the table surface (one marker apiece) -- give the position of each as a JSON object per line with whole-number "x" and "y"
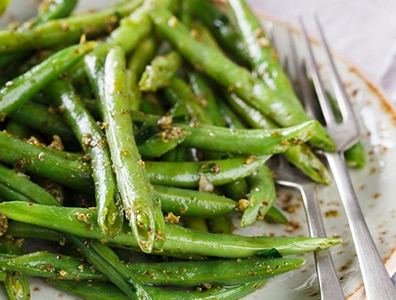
{"x": 364, "y": 31}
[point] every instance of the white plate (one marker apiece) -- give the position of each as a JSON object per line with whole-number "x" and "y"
{"x": 374, "y": 186}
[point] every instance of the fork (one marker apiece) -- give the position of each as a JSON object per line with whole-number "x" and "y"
{"x": 289, "y": 176}
{"x": 345, "y": 133}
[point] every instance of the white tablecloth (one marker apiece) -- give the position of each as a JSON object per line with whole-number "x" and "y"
{"x": 364, "y": 31}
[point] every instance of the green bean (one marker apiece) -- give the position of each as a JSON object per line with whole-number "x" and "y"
{"x": 219, "y": 25}
{"x": 202, "y": 90}
{"x": 248, "y": 141}
{"x": 190, "y": 174}
{"x": 300, "y": 155}
{"x": 185, "y": 102}
{"x": 274, "y": 215}
{"x": 11, "y": 195}
{"x": 22, "y": 88}
{"x": 233, "y": 77}
{"x": 136, "y": 64}
{"x": 17, "y": 130}
{"x": 140, "y": 204}
{"x": 39, "y": 117}
{"x": 28, "y": 231}
{"x": 3, "y": 6}
{"x": 261, "y": 196}
{"x": 50, "y": 33}
{"x": 159, "y": 72}
{"x": 102, "y": 291}
{"x": 44, "y": 162}
{"x": 103, "y": 258}
{"x": 195, "y": 223}
{"x": 193, "y": 203}
{"x": 174, "y": 273}
{"x": 131, "y": 31}
{"x": 82, "y": 222}
{"x": 15, "y": 283}
{"x": 54, "y": 9}
{"x": 17, "y": 286}
{"x": 154, "y": 142}
{"x": 261, "y": 54}
{"x": 77, "y": 174}
{"x": 152, "y": 104}
{"x": 21, "y": 184}
{"x": 93, "y": 142}
{"x": 355, "y": 157}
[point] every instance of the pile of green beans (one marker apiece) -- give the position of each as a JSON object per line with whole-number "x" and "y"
{"x": 134, "y": 139}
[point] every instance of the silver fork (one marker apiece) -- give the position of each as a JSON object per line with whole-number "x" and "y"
{"x": 288, "y": 176}
{"x": 377, "y": 282}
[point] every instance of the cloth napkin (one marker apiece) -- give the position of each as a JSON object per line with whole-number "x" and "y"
{"x": 364, "y": 31}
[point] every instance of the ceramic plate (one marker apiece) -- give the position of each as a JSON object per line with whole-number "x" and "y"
{"x": 374, "y": 186}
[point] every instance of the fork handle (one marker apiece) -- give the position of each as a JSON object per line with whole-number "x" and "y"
{"x": 330, "y": 288}
{"x": 377, "y": 282}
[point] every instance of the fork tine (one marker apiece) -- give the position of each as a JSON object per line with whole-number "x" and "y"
{"x": 327, "y": 110}
{"x": 301, "y": 82}
{"x": 339, "y": 90}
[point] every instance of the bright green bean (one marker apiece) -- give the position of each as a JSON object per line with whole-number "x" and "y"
{"x": 234, "y": 77}
{"x": 140, "y": 204}
{"x": 82, "y": 222}
{"x": 22, "y": 88}
{"x": 93, "y": 142}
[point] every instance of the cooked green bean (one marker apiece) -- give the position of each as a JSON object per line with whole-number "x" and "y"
{"x": 300, "y": 155}
{"x": 51, "y": 10}
{"x": 17, "y": 286}
{"x": 94, "y": 144}
{"x": 190, "y": 174}
{"x": 140, "y": 204}
{"x": 39, "y": 118}
{"x": 22, "y": 88}
{"x": 103, "y": 291}
{"x": 193, "y": 203}
{"x": 50, "y": 33}
{"x": 21, "y": 184}
{"x": 103, "y": 258}
{"x": 248, "y": 141}
{"x": 44, "y": 162}
{"x": 261, "y": 54}
{"x": 173, "y": 273}
{"x": 234, "y": 77}
{"x": 159, "y": 72}
{"x": 82, "y": 222}
{"x": 261, "y": 196}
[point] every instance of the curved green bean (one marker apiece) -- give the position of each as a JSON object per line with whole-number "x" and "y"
{"x": 248, "y": 141}
{"x": 233, "y": 77}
